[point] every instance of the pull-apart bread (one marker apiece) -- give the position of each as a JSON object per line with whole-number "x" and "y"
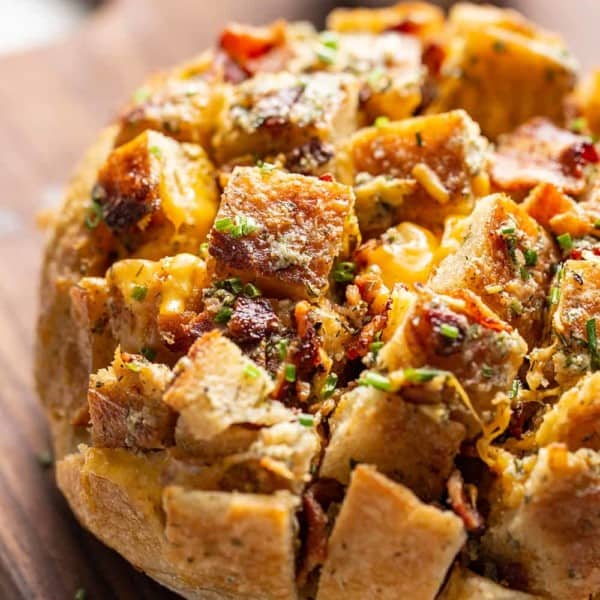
{"x": 319, "y": 317}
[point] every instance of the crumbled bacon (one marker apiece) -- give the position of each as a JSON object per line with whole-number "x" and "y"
{"x": 462, "y": 506}
{"x": 252, "y": 320}
{"x": 315, "y": 547}
{"x": 407, "y": 26}
{"x": 309, "y": 157}
{"x": 359, "y": 347}
{"x": 433, "y": 58}
{"x": 575, "y": 157}
{"x": 243, "y": 43}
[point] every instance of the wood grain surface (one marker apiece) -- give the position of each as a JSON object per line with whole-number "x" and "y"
{"x": 53, "y": 101}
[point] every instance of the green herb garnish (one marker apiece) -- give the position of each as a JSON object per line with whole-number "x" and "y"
{"x": 329, "y": 385}
{"x": 590, "y": 328}
{"x": 290, "y": 373}
{"x": 139, "y": 292}
{"x": 531, "y": 257}
{"x": 239, "y": 227}
{"x": 344, "y": 272}
{"x": 251, "y": 291}
{"x": 94, "y": 215}
{"x": 421, "y": 375}
{"x": 381, "y": 121}
{"x": 224, "y": 315}
{"x": 419, "y": 138}
{"x": 376, "y": 380}
{"x": 306, "y": 420}
{"x": 148, "y": 353}
{"x": 565, "y": 241}
{"x": 449, "y": 331}
{"x": 251, "y": 370}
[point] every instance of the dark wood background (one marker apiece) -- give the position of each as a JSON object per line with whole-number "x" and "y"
{"x": 52, "y": 103}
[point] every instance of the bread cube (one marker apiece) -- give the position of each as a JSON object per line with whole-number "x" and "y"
{"x": 413, "y": 443}
{"x": 491, "y": 55}
{"x": 258, "y": 461}
{"x": 507, "y": 259}
{"x": 539, "y": 152}
{"x": 183, "y": 107}
{"x": 148, "y": 299}
{"x": 466, "y": 585}
{"x": 90, "y": 313}
{"x": 282, "y": 230}
{"x": 156, "y": 196}
{"x": 420, "y": 170}
{"x": 574, "y": 420}
{"x": 126, "y": 407}
{"x": 548, "y": 523}
{"x": 216, "y": 386}
{"x": 278, "y": 112}
{"x": 232, "y": 544}
{"x": 415, "y": 18}
{"x": 385, "y": 541}
{"x": 457, "y": 334}
{"x": 575, "y": 299}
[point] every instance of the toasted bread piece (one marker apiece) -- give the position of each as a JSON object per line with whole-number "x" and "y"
{"x": 458, "y": 335}
{"x": 216, "y": 386}
{"x": 492, "y": 53}
{"x": 552, "y": 531}
{"x": 277, "y": 112}
{"x": 126, "y": 407}
{"x": 385, "y": 540}
{"x": 572, "y": 351}
{"x": 540, "y": 152}
{"x": 155, "y": 196}
{"x": 506, "y": 258}
{"x": 419, "y": 170}
{"x": 466, "y": 585}
{"x": 575, "y": 419}
{"x": 587, "y": 102}
{"x": 282, "y": 230}
{"x": 417, "y": 18}
{"x": 411, "y": 442}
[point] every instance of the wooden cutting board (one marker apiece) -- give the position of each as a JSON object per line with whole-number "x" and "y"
{"x": 53, "y": 101}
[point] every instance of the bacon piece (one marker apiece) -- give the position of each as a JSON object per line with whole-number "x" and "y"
{"x": 252, "y": 320}
{"x": 462, "y": 506}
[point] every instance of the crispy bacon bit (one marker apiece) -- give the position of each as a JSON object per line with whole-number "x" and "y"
{"x": 438, "y": 317}
{"x": 407, "y": 26}
{"x": 244, "y": 43}
{"x": 309, "y": 156}
{"x": 315, "y": 546}
{"x": 179, "y": 331}
{"x": 433, "y": 58}
{"x": 462, "y": 506}
{"x": 359, "y": 347}
{"x": 252, "y": 320}
{"x": 575, "y": 157}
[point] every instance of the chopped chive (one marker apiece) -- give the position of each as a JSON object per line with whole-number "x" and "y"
{"x": 381, "y": 121}
{"x": 531, "y": 257}
{"x": 449, "y": 331}
{"x": 233, "y": 285}
{"x": 139, "y": 292}
{"x": 554, "y": 294}
{"x": 514, "y": 390}
{"x": 282, "y": 346}
{"x": 45, "y": 459}
{"x": 251, "y": 291}
{"x": 329, "y": 39}
{"x": 509, "y": 230}
{"x": 578, "y": 125}
{"x": 524, "y": 273}
{"x": 421, "y": 375}
{"x": 516, "y": 307}
{"x": 203, "y": 250}
{"x": 493, "y": 289}
{"x": 148, "y": 353}
{"x": 326, "y": 54}
{"x": 565, "y": 241}
{"x": 251, "y": 370}
{"x": 344, "y": 272}
{"x": 223, "y": 225}
{"x": 94, "y": 216}
{"x": 224, "y": 315}
{"x": 133, "y": 366}
{"x": 329, "y": 385}
{"x": 290, "y": 372}
{"x": 375, "y": 347}
{"x": 590, "y": 328}
{"x": 376, "y": 380}
{"x": 306, "y": 420}
{"x": 265, "y": 166}
{"x": 487, "y": 371}
{"x": 419, "y": 138}
{"x": 156, "y": 151}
